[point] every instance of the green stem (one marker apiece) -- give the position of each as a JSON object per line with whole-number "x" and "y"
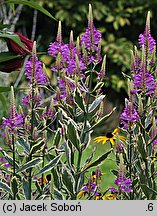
{"x": 13, "y": 144}
{"x": 14, "y": 160}
{"x": 31, "y": 144}
{"x": 43, "y": 164}
{"x": 130, "y": 157}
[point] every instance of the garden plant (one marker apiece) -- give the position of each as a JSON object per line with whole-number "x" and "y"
{"x": 50, "y": 123}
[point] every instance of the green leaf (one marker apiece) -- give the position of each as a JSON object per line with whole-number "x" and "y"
{"x": 29, "y": 165}
{"x": 6, "y": 56}
{"x": 141, "y": 146}
{"x": 98, "y": 86}
{"x": 96, "y": 103}
{"x": 72, "y": 135}
{"x": 33, "y": 5}
{"x": 14, "y": 185}
{"x": 50, "y": 165}
{"x": 26, "y": 189}
{"x": 58, "y": 195}
{"x": 15, "y": 38}
{"x": 5, "y": 187}
{"x": 24, "y": 144}
{"x": 4, "y": 89}
{"x": 68, "y": 181}
{"x": 37, "y": 147}
{"x": 98, "y": 161}
{"x": 148, "y": 191}
{"x": 79, "y": 100}
{"x": 2, "y": 26}
{"x": 57, "y": 138}
{"x": 10, "y": 160}
{"x": 102, "y": 120}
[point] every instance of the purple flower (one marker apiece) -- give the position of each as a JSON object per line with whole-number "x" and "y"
{"x": 90, "y": 187}
{"x": 66, "y": 87}
{"x": 6, "y": 165}
{"x": 147, "y": 40}
{"x": 124, "y": 184}
{"x": 33, "y": 69}
{"x": 27, "y": 100}
{"x": 129, "y": 114}
{"x": 113, "y": 190}
{"x": 48, "y": 114}
{"x": 13, "y": 121}
{"x": 2, "y": 160}
{"x": 144, "y": 82}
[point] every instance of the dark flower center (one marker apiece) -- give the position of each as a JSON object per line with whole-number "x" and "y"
{"x": 109, "y": 135}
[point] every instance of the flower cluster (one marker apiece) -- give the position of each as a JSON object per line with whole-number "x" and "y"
{"x": 33, "y": 70}
{"x": 124, "y": 184}
{"x": 146, "y": 39}
{"x": 92, "y": 186}
{"x": 14, "y": 120}
{"x": 129, "y": 115}
{"x": 72, "y": 60}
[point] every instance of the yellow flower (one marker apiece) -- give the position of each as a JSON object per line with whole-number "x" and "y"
{"x": 111, "y": 136}
{"x": 109, "y": 197}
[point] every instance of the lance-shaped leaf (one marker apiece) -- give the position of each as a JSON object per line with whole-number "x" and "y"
{"x": 98, "y": 161}
{"x": 5, "y": 187}
{"x": 50, "y": 165}
{"x": 24, "y": 144}
{"x": 14, "y": 185}
{"x": 4, "y": 89}
{"x": 72, "y": 135}
{"x": 58, "y": 194}
{"x": 96, "y": 103}
{"x": 102, "y": 120}
{"x": 6, "y": 56}
{"x": 33, "y": 5}
{"x": 141, "y": 146}
{"x": 29, "y": 165}
{"x": 35, "y": 148}
{"x": 148, "y": 191}
{"x": 98, "y": 86}
{"x": 79, "y": 100}
{"x": 68, "y": 181}
{"x": 15, "y": 38}
{"x": 26, "y": 189}
{"x": 10, "y": 160}
{"x": 57, "y": 138}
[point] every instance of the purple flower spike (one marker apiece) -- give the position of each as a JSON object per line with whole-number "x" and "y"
{"x": 124, "y": 184}
{"x": 14, "y": 119}
{"x": 38, "y": 74}
{"x": 129, "y": 115}
{"x": 144, "y": 81}
{"x": 146, "y": 39}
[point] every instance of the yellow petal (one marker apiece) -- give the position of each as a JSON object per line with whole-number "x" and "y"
{"x": 100, "y": 139}
{"x": 116, "y": 130}
{"x": 112, "y": 140}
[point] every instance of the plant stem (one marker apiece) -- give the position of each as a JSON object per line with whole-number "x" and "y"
{"x": 31, "y": 144}
{"x": 13, "y": 144}
{"x": 130, "y": 157}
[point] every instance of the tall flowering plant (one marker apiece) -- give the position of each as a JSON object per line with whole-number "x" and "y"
{"x": 136, "y": 153}
{"x": 53, "y": 168}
